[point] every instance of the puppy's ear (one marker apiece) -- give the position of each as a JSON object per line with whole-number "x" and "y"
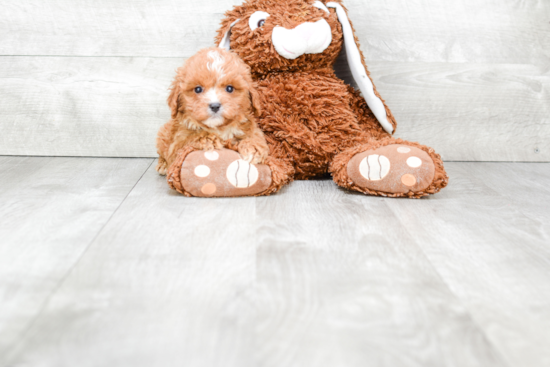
{"x": 252, "y": 92}
{"x": 255, "y": 100}
{"x": 175, "y": 100}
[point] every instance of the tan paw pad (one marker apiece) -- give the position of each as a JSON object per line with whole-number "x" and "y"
{"x": 392, "y": 169}
{"x": 222, "y": 173}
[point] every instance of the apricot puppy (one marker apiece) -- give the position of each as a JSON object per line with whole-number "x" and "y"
{"x": 214, "y": 105}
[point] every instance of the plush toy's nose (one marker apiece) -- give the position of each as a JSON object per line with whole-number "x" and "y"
{"x": 307, "y": 38}
{"x": 306, "y": 32}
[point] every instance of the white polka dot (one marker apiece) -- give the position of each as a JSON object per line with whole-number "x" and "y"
{"x": 202, "y": 171}
{"x": 403, "y": 149}
{"x": 414, "y": 162}
{"x": 375, "y": 167}
{"x": 242, "y": 174}
{"x": 212, "y": 155}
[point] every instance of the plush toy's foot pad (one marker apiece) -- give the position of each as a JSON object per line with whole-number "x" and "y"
{"x": 223, "y": 173}
{"x": 392, "y": 169}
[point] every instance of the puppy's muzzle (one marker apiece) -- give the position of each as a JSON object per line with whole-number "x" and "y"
{"x": 215, "y": 107}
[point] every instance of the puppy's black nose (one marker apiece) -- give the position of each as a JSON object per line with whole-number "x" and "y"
{"x": 215, "y": 107}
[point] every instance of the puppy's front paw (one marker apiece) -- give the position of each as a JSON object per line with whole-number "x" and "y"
{"x": 252, "y": 153}
{"x": 208, "y": 143}
{"x": 162, "y": 167}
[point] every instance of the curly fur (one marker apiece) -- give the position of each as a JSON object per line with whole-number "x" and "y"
{"x": 194, "y": 124}
{"x": 312, "y": 119}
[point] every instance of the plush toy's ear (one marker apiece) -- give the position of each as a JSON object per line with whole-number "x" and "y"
{"x": 226, "y": 39}
{"x": 350, "y": 67}
{"x": 175, "y": 102}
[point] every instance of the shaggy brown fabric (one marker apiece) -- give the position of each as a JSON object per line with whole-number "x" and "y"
{"x": 312, "y": 120}
{"x": 256, "y": 47}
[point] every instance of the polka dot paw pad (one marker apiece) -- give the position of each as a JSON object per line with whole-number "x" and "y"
{"x": 392, "y": 169}
{"x": 222, "y": 173}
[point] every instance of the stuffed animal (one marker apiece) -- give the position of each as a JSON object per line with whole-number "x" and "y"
{"x": 319, "y": 109}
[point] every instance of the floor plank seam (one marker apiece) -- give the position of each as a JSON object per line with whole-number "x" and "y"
{"x": 66, "y": 276}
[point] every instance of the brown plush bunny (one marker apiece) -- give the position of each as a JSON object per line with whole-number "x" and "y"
{"x": 320, "y": 110}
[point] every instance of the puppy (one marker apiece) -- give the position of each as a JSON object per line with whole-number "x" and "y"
{"x": 213, "y": 104}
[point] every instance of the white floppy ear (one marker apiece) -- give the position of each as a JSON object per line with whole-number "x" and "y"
{"x": 226, "y": 40}
{"x": 349, "y": 68}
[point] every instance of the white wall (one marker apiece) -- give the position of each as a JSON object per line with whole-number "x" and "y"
{"x": 80, "y": 78}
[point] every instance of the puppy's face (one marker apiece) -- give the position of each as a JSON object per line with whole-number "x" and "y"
{"x": 213, "y": 89}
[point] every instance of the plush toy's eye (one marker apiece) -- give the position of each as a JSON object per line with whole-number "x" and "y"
{"x": 321, "y": 6}
{"x": 229, "y": 89}
{"x": 198, "y": 90}
{"x": 257, "y": 19}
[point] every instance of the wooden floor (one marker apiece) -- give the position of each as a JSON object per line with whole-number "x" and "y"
{"x": 102, "y": 265}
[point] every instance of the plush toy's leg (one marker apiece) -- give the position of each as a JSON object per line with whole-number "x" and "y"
{"x": 390, "y": 167}
{"x": 222, "y": 173}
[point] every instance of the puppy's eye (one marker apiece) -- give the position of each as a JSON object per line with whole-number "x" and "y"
{"x": 229, "y": 89}
{"x": 257, "y": 20}
{"x": 198, "y": 90}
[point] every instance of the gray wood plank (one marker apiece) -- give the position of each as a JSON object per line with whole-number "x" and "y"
{"x": 312, "y": 276}
{"x": 114, "y": 106}
{"x": 51, "y": 209}
{"x": 167, "y": 283}
{"x": 488, "y": 237}
{"x": 478, "y": 31}
{"x": 471, "y": 112}
{"x": 471, "y": 31}
{"x": 526, "y": 186}
{"x": 341, "y": 283}
{"x": 83, "y": 106}
{"x": 163, "y": 28}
